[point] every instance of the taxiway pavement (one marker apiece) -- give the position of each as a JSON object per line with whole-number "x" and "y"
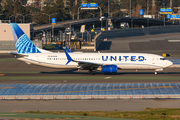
{"x": 85, "y": 105}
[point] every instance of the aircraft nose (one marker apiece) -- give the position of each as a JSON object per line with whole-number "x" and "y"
{"x": 169, "y": 63}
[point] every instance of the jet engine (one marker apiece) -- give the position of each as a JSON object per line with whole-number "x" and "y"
{"x": 108, "y": 68}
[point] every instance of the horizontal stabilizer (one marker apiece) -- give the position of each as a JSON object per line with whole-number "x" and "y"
{"x": 18, "y": 55}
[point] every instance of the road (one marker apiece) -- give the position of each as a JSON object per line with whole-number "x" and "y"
{"x": 62, "y": 23}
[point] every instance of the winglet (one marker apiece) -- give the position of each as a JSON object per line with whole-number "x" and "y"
{"x": 68, "y": 50}
{"x": 68, "y": 57}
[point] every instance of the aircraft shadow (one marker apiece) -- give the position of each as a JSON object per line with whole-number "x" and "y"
{"x": 74, "y": 71}
{"x": 126, "y": 73}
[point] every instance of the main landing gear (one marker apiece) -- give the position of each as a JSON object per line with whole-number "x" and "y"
{"x": 90, "y": 72}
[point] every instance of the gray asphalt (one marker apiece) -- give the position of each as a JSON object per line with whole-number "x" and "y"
{"x": 149, "y": 44}
{"x": 86, "y": 105}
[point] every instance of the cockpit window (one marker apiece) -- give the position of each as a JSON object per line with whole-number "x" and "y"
{"x": 162, "y": 58}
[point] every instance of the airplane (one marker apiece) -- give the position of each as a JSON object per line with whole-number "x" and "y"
{"x": 104, "y": 62}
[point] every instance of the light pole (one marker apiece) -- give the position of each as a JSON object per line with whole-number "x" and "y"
{"x": 148, "y": 22}
{"x": 147, "y": 8}
{"x": 130, "y": 8}
{"x": 60, "y": 32}
{"x": 49, "y": 16}
{"x": 88, "y": 37}
{"x": 108, "y": 8}
{"x": 10, "y": 17}
{"x": 132, "y": 22}
{"x": 78, "y": 13}
{"x": 44, "y": 35}
{"x": 164, "y": 14}
{"x": 100, "y": 11}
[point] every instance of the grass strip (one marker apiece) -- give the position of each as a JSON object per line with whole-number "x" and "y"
{"x": 147, "y": 114}
{"x": 11, "y": 59}
{"x": 84, "y": 78}
{"x": 39, "y": 116}
{"x": 18, "y": 72}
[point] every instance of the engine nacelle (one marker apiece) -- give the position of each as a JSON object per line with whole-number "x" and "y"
{"x": 108, "y": 69}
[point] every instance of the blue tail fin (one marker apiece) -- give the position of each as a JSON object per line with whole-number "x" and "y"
{"x": 22, "y": 42}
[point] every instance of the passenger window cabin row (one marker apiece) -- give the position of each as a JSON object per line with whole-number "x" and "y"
{"x": 86, "y": 59}
{"x": 73, "y": 58}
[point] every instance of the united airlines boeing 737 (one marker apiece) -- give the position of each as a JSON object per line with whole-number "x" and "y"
{"x": 104, "y": 62}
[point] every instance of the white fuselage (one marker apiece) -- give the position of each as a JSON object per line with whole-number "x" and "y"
{"x": 122, "y": 60}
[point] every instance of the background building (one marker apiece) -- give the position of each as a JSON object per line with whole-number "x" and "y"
{"x": 6, "y": 32}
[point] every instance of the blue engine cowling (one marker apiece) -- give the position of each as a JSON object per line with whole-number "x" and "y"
{"x": 109, "y": 69}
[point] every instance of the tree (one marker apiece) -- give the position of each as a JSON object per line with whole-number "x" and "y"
{"x": 24, "y": 2}
{"x": 8, "y": 9}
{"x": 1, "y": 9}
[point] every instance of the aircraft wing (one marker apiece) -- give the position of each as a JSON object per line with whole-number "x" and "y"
{"x": 81, "y": 64}
{"x": 87, "y": 65}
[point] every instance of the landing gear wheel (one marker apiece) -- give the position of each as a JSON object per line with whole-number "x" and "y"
{"x": 90, "y": 72}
